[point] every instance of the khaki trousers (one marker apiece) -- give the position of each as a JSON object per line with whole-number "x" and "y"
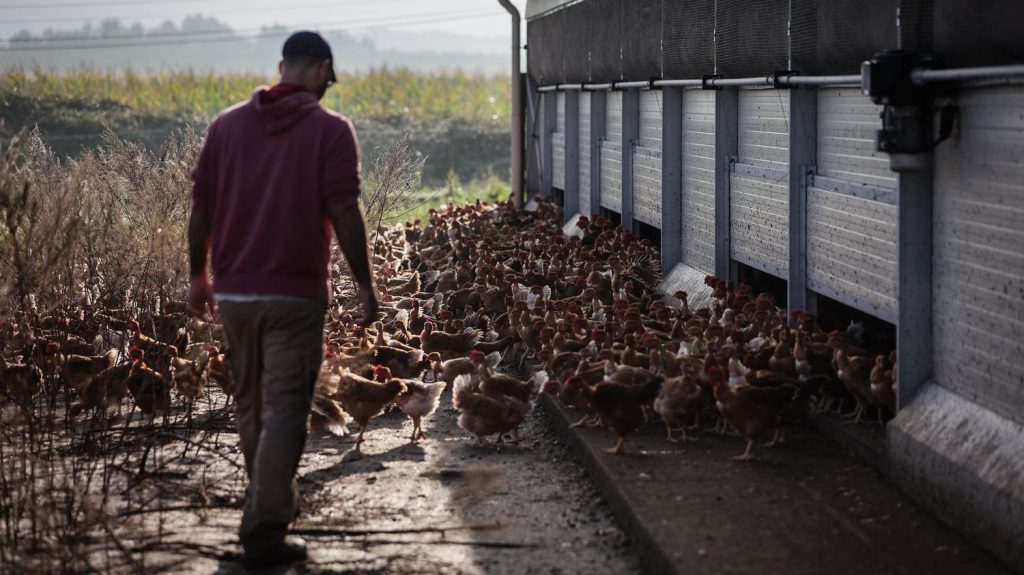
{"x": 275, "y": 348}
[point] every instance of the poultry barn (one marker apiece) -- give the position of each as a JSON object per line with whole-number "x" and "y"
{"x": 859, "y": 161}
{"x": 730, "y": 220}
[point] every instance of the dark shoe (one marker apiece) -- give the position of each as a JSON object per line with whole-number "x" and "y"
{"x": 291, "y": 550}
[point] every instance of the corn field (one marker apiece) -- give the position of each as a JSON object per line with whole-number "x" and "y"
{"x": 383, "y": 93}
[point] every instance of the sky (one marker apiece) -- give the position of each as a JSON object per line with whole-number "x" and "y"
{"x": 485, "y": 20}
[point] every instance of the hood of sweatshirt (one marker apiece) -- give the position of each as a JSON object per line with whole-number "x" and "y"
{"x": 281, "y": 114}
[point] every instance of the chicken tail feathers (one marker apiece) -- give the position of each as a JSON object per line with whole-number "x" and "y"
{"x": 537, "y": 382}
{"x": 462, "y": 388}
{"x": 493, "y": 359}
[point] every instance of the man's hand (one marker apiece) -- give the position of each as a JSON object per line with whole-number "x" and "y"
{"x": 200, "y": 299}
{"x": 368, "y": 299}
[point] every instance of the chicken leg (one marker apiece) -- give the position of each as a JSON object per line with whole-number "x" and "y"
{"x": 619, "y": 447}
{"x": 746, "y": 456}
{"x": 777, "y": 439}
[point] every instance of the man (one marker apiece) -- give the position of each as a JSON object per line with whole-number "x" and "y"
{"x": 274, "y": 175}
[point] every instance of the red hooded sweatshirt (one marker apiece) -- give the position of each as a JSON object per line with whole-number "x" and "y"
{"x": 262, "y": 178}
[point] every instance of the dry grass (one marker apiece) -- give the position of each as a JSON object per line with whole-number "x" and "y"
{"x": 107, "y": 233}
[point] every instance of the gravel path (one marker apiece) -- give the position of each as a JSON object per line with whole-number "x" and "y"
{"x": 446, "y": 505}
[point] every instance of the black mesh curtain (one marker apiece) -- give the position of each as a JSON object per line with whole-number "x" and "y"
{"x": 751, "y": 37}
{"x": 688, "y": 32}
{"x": 641, "y": 39}
{"x": 979, "y": 32}
{"x": 916, "y": 25}
{"x": 835, "y": 36}
{"x": 576, "y": 48}
{"x": 544, "y": 39}
{"x": 606, "y": 40}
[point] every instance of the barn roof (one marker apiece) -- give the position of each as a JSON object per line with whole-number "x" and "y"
{"x": 535, "y": 8}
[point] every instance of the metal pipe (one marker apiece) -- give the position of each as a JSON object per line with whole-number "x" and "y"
{"x": 919, "y": 76}
{"x": 517, "y": 106}
{"x": 551, "y": 88}
{"x": 736, "y": 82}
{"x": 676, "y": 83}
{"x": 625, "y": 85}
{"x": 924, "y": 75}
{"x": 796, "y": 80}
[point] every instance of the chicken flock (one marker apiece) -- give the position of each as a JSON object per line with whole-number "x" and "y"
{"x": 483, "y": 286}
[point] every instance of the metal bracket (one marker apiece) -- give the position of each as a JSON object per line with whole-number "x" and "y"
{"x": 704, "y": 81}
{"x": 782, "y": 74}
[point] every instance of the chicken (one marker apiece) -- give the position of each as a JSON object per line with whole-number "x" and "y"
{"x": 158, "y": 352}
{"x": 447, "y": 371}
{"x": 484, "y": 415}
{"x": 882, "y": 385}
{"x": 326, "y": 414}
{"x": 218, "y": 368}
{"x": 419, "y": 400}
{"x": 150, "y": 390}
{"x": 103, "y": 391}
{"x": 752, "y": 409}
{"x": 855, "y": 373}
{"x": 187, "y": 377}
{"x": 79, "y": 370}
{"x": 446, "y": 344}
{"x": 20, "y": 382}
{"x": 365, "y": 399}
{"x": 621, "y": 405}
{"x": 679, "y": 401}
{"x": 403, "y": 364}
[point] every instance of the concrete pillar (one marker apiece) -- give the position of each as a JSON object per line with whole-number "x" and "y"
{"x": 597, "y": 134}
{"x": 803, "y": 140}
{"x": 671, "y": 177}
{"x": 548, "y": 113}
{"x": 572, "y": 153}
{"x": 914, "y": 267}
{"x": 630, "y": 134}
{"x": 726, "y": 150}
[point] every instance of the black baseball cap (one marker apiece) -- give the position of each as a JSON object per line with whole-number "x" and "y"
{"x": 309, "y": 43}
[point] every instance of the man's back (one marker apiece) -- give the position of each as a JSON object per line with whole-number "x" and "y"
{"x": 264, "y": 174}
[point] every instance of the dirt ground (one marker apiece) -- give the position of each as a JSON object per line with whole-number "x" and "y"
{"x": 445, "y": 505}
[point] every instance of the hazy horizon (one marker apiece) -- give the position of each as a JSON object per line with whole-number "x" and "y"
{"x": 468, "y": 34}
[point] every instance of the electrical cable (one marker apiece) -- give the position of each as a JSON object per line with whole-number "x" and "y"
{"x": 166, "y": 40}
{"x": 156, "y": 35}
{"x": 155, "y": 18}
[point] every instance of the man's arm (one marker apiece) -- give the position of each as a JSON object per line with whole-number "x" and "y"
{"x": 350, "y": 227}
{"x": 200, "y": 296}
{"x": 198, "y": 242}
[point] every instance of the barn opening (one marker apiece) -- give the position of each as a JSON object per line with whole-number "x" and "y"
{"x": 869, "y": 332}
{"x": 614, "y": 217}
{"x": 558, "y": 195}
{"x": 647, "y": 232}
{"x": 763, "y": 282}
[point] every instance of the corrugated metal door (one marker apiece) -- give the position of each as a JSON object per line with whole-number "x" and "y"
{"x": 611, "y": 154}
{"x": 699, "y": 180}
{"x": 759, "y": 184}
{"x": 558, "y": 144}
{"x": 978, "y": 255}
{"x": 851, "y": 208}
{"x": 584, "y": 153}
{"x": 647, "y": 161}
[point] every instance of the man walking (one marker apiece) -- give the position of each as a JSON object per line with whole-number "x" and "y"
{"x": 275, "y": 174}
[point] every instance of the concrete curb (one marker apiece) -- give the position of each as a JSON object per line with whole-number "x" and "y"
{"x": 654, "y": 557}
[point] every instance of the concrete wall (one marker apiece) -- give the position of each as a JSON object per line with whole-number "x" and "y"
{"x": 647, "y": 160}
{"x": 758, "y": 185}
{"x": 611, "y": 154}
{"x": 585, "y": 142}
{"x": 698, "y": 180}
{"x": 558, "y": 144}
